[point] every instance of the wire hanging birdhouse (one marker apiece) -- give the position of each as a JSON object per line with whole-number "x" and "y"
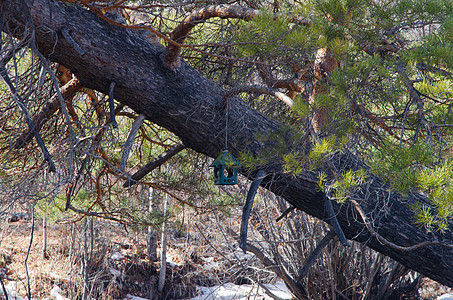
{"x": 225, "y": 169}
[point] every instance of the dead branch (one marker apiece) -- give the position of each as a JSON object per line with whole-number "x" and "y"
{"x": 31, "y": 125}
{"x": 72, "y": 186}
{"x": 158, "y": 161}
{"x": 16, "y": 48}
{"x": 67, "y": 36}
{"x": 112, "y": 105}
{"x": 274, "y": 267}
{"x": 102, "y": 215}
{"x": 285, "y": 213}
{"x": 5, "y": 293}
{"x": 181, "y": 32}
{"x": 415, "y": 96}
{"x": 314, "y": 254}
{"x": 376, "y": 120}
{"x": 248, "y": 208}
{"x": 57, "y": 88}
{"x": 258, "y": 89}
{"x": 68, "y": 91}
{"x": 130, "y": 139}
{"x": 334, "y": 221}
{"x": 386, "y": 242}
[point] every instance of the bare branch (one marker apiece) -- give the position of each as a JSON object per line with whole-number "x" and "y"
{"x": 57, "y": 88}
{"x": 158, "y": 161}
{"x": 248, "y": 208}
{"x": 384, "y": 241}
{"x": 112, "y": 105}
{"x": 258, "y": 89}
{"x": 276, "y": 268}
{"x": 415, "y": 96}
{"x": 68, "y": 91}
{"x": 181, "y": 32}
{"x": 130, "y": 139}
{"x": 18, "y": 99}
{"x": 68, "y": 37}
{"x": 285, "y": 213}
{"x": 314, "y": 254}
{"x": 334, "y": 221}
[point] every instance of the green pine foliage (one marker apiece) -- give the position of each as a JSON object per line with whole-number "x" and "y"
{"x": 405, "y": 139}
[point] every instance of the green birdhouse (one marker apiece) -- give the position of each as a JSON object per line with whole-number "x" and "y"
{"x": 225, "y": 169}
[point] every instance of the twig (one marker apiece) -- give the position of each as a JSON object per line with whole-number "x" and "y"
{"x": 285, "y": 213}
{"x": 158, "y": 161}
{"x": 314, "y": 254}
{"x": 20, "y": 102}
{"x": 167, "y": 39}
{"x": 73, "y": 184}
{"x": 130, "y": 139}
{"x": 258, "y": 89}
{"x": 112, "y": 105}
{"x": 248, "y": 208}
{"x": 181, "y": 32}
{"x": 334, "y": 221}
{"x": 385, "y": 241}
{"x": 28, "y": 252}
{"x": 95, "y": 214}
{"x": 68, "y": 37}
{"x": 68, "y": 91}
{"x": 276, "y": 268}
{"x": 6, "y": 57}
{"x": 3, "y": 287}
{"x": 415, "y": 96}
{"x": 57, "y": 88}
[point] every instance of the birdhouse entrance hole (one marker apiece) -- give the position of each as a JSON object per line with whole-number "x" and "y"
{"x": 225, "y": 169}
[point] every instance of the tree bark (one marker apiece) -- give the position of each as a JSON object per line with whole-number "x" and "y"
{"x": 190, "y": 106}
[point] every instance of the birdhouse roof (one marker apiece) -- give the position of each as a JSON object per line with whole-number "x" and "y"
{"x": 225, "y": 159}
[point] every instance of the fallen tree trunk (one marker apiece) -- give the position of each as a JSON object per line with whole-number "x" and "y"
{"x": 190, "y": 106}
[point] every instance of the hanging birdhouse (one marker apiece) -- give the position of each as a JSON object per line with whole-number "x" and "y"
{"x": 225, "y": 169}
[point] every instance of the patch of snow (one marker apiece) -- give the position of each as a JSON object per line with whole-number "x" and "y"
{"x": 55, "y": 293}
{"x": 279, "y": 289}
{"x": 213, "y": 266}
{"x": 231, "y": 291}
{"x": 170, "y": 260}
{"x": 58, "y": 277}
{"x": 445, "y": 297}
{"x": 239, "y": 254}
{"x": 116, "y": 256}
{"x": 131, "y": 297}
{"x": 11, "y": 289}
{"x": 210, "y": 264}
{"x": 114, "y": 272}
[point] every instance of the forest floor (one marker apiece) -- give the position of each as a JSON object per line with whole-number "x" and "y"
{"x": 118, "y": 266}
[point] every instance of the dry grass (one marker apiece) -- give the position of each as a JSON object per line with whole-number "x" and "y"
{"x": 196, "y": 259}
